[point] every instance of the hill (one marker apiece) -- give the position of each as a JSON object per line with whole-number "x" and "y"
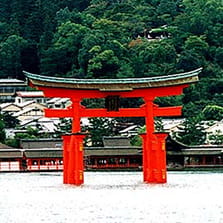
{"x": 117, "y": 38}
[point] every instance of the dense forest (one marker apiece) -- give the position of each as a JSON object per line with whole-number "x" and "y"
{"x": 111, "y": 39}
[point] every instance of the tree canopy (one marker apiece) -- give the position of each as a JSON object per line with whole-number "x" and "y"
{"x": 116, "y": 39}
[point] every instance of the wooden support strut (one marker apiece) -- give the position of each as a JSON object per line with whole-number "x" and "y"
{"x": 66, "y": 143}
{"x": 123, "y": 112}
{"x": 136, "y": 93}
{"x": 160, "y": 175}
{"x": 148, "y": 166}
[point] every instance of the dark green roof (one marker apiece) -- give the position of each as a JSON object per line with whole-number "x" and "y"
{"x": 11, "y": 153}
{"x": 115, "y": 84}
{"x": 44, "y": 153}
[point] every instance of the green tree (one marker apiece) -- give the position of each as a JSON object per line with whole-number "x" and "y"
{"x": 103, "y": 63}
{"x": 197, "y": 44}
{"x": 153, "y": 58}
{"x": 2, "y": 129}
{"x": 64, "y": 127}
{"x": 99, "y": 127}
{"x": 219, "y": 56}
{"x": 167, "y": 10}
{"x": 9, "y": 120}
{"x": 63, "y": 16}
{"x": 30, "y": 133}
{"x": 216, "y": 138}
{"x": 213, "y": 112}
{"x": 191, "y": 132}
{"x": 137, "y": 140}
{"x": 193, "y": 55}
{"x": 3, "y": 31}
{"x": 10, "y": 56}
{"x": 63, "y": 55}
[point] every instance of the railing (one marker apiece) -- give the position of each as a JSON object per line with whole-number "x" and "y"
{"x": 203, "y": 165}
{"x": 45, "y": 167}
{"x": 111, "y": 166}
{"x": 9, "y": 166}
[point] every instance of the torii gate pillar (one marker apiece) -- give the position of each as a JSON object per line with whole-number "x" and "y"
{"x": 154, "y": 158}
{"x": 73, "y": 163}
{"x": 154, "y": 151}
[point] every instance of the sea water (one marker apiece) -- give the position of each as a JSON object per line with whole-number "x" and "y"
{"x": 111, "y": 197}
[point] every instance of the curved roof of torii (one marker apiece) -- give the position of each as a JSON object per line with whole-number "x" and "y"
{"x": 123, "y": 84}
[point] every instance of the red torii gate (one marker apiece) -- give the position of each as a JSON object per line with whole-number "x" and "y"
{"x": 154, "y": 154}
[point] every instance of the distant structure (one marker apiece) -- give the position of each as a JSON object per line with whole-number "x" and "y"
{"x": 24, "y": 96}
{"x": 116, "y": 154}
{"x": 28, "y": 107}
{"x": 8, "y": 87}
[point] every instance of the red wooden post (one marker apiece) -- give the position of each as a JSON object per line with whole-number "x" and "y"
{"x": 73, "y": 159}
{"x": 144, "y": 157}
{"x": 150, "y": 158}
{"x": 148, "y": 150}
{"x": 76, "y": 115}
{"x": 161, "y": 157}
{"x": 66, "y": 141}
{"x": 38, "y": 161}
{"x": 79, "y": 161}
{"x": 203, "y": 160}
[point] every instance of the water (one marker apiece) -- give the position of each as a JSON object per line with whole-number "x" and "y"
{"x": 111, "y": 197}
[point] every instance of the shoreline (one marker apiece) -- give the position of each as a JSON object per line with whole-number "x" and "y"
{"x": 192, "y": 169}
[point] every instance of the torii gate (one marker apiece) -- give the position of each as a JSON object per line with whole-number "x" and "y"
{"x": 154, "y": 154}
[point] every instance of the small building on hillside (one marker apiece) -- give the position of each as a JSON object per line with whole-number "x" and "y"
{"x": 45, "y": 125}
{"x": 58, "y": 102}
{"x": 9, "y": 107}
{"x": 24, "y": 96}
{"x": 171, "y": 124}
{"x": 8, "y": 87}
{"x": 12, "y": 107}
{"x": 130, "y": 131}
{"x": 214, "y": 133}
{"x": 29, "y": 113}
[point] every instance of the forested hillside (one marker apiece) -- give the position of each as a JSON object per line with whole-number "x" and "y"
{"x": 109, "y": 39}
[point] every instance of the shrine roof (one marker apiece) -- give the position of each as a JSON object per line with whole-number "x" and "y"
{"x": 122, "y": 84}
